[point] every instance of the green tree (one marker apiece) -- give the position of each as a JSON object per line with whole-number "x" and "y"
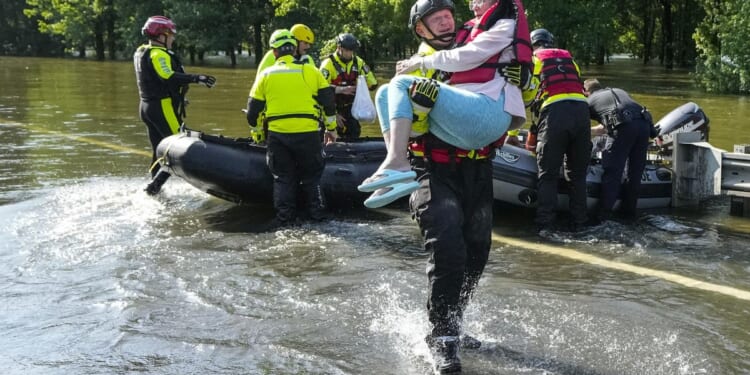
{"x": 80, "y": 22}
{"x": 19, "y": 34}
{"x": 721, "y": 39}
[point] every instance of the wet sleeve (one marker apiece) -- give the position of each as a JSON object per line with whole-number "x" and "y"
{"x": 254, "y": 108}
{"x": 256, "y": 102}
{"x": 162, "y": 63}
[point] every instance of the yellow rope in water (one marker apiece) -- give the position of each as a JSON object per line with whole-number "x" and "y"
{"x": 591, "y": 259}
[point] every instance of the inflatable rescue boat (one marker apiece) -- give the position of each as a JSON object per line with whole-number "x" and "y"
{"x": 235, "y": 169}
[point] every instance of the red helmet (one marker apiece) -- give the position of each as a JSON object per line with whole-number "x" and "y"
{"x": 157, "y": 25}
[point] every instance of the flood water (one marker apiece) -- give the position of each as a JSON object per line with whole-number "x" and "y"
{"x": 96, "y": 277}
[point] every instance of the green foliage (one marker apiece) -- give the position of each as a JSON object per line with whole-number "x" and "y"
{"x": 722, "y": 40}
{"x": 74, "y": 20}
{"x": 710, "y": 34}
{"x": 19, "y": 34}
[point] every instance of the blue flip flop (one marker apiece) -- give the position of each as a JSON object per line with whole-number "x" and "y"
{"x": 393, "y": 193}
{"x": 385, "y": 178}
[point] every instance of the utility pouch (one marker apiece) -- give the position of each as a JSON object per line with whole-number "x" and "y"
{"x": 612, "y": 120}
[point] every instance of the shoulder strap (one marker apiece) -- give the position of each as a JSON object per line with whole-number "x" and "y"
{"x": 336, "y": 65}
{"x": 617, "y": 99}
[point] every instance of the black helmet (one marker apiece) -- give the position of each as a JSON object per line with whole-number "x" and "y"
{"x": 542, "y": 37}
{"x": 423, "y": 8}
{"x": 348, "y": 41}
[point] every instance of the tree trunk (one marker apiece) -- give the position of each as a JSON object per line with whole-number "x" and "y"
{"x": 667, "y": 34}
{"x": 99, "y": 38}
{"x": 258, "y": 45}
{"x": 233, "y": 57}
{"x": 649, "y": 24}
{"x": 111, "y": 35}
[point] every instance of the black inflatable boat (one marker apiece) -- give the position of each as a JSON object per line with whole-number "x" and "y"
{"x": 235, "y": 169}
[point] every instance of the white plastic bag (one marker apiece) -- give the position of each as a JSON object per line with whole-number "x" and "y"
{"x": 363, "y": 109}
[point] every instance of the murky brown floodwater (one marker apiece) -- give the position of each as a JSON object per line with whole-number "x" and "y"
{"x": 98, "y": 278}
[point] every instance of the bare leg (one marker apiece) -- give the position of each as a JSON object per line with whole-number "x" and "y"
{"x": 397, "y": 142}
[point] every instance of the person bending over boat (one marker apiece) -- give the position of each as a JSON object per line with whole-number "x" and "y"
{"x": 289, "y": 104}
{"x": 453, "y": 199}
{"x": 162, "y": 85}
{"x": 563, "y": 130}
{"x": 305, "y": 38}
{"x": 628, "y": 127}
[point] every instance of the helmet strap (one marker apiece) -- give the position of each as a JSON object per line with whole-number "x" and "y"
{"x": 446, "y": 38}
{"x": 159, "y": 41}
{"x": 344, "y": 59}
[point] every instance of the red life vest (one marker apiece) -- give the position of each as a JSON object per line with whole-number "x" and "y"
{"x": 504, "y": 9}
{"x": 430, "y": 148}
{"x": 345, "y": 78}
{"x": 559, "y": 74}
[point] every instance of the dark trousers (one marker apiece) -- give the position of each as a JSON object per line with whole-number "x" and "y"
{"x": 564, "y": 135}
{"x": 453, "y": 208}
{"x": 157, "y": 126}
{"x": 296, "y": 162}
{"x": 352, "y": 129}
{"x": 630, "y": 146}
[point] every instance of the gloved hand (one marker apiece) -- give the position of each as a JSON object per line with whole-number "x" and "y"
{"x": 253, "y": 122}
{"x": 207, "y": 80}
{"x": 655, "y": 131}
{"x": 424, "y": 92}
{"x": 517, "y": 75}
{"x": 258, "y": 135}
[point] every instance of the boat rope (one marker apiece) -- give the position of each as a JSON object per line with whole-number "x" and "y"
{"x": 166, "y": 152}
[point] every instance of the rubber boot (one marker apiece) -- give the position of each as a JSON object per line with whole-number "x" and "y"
{"x": 470, "y": 342}
{"x": 154, "y": 187}
{"x": 444, "y": 350}
{"x": 314, "y": 199}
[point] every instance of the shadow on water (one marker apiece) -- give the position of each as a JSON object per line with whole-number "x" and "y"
{"x": 491, "y": 353}
{"x": 259, "y": 218}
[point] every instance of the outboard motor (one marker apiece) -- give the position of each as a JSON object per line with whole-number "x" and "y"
{"x": 685, "y": 118}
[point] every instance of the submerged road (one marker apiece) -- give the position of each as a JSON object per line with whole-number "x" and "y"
{"x": 520, "y": 243}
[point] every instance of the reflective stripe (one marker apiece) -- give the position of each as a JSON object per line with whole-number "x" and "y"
{"x": 285, "y": 71}
{"x": 162, "y": 62}
{"x": 169, "y": 115}
{"x": 289, "y": 89}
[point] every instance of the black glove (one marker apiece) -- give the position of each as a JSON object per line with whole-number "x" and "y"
{"x": 654, "y": 131}
{"x": 207, "y": 80}
{"x": 424, "y": 92}
{"x": 517, "y": 74}
{"x": 253, "y": 122}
